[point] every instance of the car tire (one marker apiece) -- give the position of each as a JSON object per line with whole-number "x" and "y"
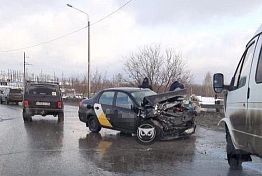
{"x": 61, "y": 117}
{"x": 233, "y": 156}
{"x": 143, "y": 138}
{"x": 94, "y": 125}
{"x": 27, "y": 117}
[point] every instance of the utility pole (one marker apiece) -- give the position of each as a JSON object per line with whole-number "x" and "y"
{"x": 88, "y": 74}
{"x": 24, "y": 69}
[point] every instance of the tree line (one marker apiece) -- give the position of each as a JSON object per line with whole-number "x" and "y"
{"x": 161, "y": 66}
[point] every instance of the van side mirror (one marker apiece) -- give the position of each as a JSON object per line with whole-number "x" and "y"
{"x": 218, "y": 82}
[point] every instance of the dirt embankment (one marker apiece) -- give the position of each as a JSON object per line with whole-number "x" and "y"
{"x": 210, "y": 120}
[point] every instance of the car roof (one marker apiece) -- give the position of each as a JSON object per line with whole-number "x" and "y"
{"x": 127, "y": 89}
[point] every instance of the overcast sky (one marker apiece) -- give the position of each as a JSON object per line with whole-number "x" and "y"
{"x": 211, "y": 35}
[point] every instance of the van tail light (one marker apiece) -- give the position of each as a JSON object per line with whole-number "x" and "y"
{"x": 26, "y": 103}
{"x": 59, "y": 104}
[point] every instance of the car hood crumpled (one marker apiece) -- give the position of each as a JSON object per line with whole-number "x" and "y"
{"x": 167, "y": 96}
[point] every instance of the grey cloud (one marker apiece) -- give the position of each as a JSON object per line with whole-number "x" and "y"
{"x": 150, "y": 12}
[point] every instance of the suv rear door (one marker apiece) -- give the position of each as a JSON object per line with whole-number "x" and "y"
{"x": 255, "y": 101}
{"x": 237, "y": 97}
{"x": 43, "y": 96}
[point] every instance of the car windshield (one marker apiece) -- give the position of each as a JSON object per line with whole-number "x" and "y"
{"x": 41, "y": 90}
{"x": 139, "y": 95}
{"x": 15, "y": 91}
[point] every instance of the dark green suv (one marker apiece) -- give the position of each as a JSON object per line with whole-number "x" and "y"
{"x": 42, "y": 98}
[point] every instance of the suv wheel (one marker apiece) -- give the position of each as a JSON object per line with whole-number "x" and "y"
{"x": 147, "y": 133}
{"x": 94, "y": 125}
{"x": 61, "y": 117}
{"x": 27, "y": 117}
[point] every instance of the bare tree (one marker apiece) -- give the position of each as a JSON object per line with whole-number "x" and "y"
{"x": 207, "y": 85}
{"x": 160, "y": 67}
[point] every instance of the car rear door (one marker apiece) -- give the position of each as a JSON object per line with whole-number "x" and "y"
{"x": 126, "y": 117}
{"x": 104, "y": 109}
{"x": 255, "y": 101}
{"x": 236, "y": 108}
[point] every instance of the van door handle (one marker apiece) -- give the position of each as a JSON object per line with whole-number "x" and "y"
{"x": 248, "y": 93}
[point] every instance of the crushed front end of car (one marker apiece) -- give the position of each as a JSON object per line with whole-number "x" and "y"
{"x": 172, "y": 113}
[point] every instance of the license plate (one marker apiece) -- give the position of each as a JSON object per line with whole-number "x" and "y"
{"x": 43, "y": 103}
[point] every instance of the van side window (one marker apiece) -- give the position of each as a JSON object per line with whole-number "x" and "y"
{"x": 259, "y": 69}
{"x": 243, "y": 69}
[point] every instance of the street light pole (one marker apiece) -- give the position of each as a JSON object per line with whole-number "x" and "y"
{"x": 88, "y": 64}
{"x": 88, "y": 47}
{"x": 24, "y": 69}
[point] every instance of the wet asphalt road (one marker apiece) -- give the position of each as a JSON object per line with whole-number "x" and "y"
{"x": 45, "y": 147}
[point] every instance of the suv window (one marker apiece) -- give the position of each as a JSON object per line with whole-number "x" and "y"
{"x": 42, "y": 90}
{"x": 243, "y": 69}
{"x": 123, "y": 100}
{"x": 259, "y": 69}
{"x": 15, "y": 91}
{"x": 107, "y": 98}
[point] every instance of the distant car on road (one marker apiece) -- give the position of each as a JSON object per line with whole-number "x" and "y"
{"x": 42, "y": 98}
{"x": 138, "y": 111}
{"x": 11, "y": 95}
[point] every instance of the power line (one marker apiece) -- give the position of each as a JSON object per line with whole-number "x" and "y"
{"x": 110, "y": 14}
{"x": 67, "y": 34}
{"x": 43, "y": 43}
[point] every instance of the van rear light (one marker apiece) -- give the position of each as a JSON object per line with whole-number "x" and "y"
{"x": 26, "y": 103}
{"x": 59, "y": 104}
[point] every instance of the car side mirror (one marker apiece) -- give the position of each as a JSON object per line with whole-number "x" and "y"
{"x": 218, "y": 82}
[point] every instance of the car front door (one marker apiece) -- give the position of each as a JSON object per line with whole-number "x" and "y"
{"x": 124, "y": 111}
{"x": 104, "y": 109}
{"x": 255, "y": 101}
{"x": 236, "y": 108}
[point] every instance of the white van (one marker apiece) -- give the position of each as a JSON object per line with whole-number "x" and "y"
{"x": 243, "y": 104}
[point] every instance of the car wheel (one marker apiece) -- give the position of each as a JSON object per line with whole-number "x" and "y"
{"x": 94, "y": 125}
{"x": 61, "y": 117}
{"x": 147, "y": 133}
{"x": 27, "y": 117}
{"x": 233, "y": 156}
